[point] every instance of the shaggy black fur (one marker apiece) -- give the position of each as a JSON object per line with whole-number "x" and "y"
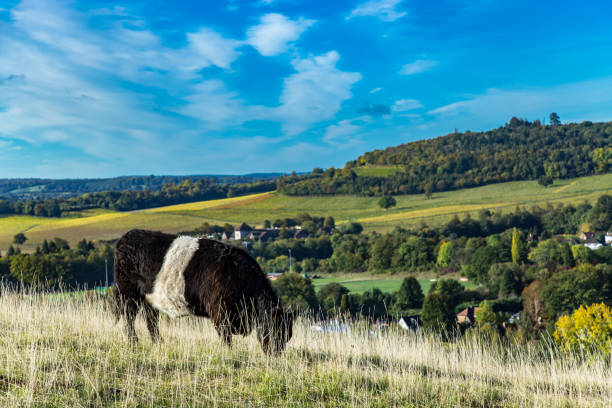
{"x": 222, "y": 282}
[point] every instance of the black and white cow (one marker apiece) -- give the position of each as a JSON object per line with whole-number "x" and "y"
{"x": 183, "y": 275}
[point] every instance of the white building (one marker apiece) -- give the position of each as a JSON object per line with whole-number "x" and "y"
{"x": 593, "y": 244}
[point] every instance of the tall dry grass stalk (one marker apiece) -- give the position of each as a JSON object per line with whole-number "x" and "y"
{"x": 63, "y": 350}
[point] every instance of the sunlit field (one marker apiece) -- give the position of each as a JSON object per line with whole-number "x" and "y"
{"x": 68, "y": 351}
{"x": 360, "y": 282}
{"x": 411, "y": 210}
{"x": 222, "y": 203}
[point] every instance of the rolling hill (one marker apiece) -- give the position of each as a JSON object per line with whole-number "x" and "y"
{"x": 255, "y": 208}
{"x": 520, "y": 150}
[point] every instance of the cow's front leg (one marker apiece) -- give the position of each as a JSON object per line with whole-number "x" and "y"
{"x": 225, "y": 333}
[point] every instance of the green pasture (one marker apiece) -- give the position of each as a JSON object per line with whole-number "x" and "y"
{"x": 410, "y": 210}
{"x": 359, "y": 284}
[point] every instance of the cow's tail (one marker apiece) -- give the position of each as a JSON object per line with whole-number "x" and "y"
{"x": 116, "y": 305}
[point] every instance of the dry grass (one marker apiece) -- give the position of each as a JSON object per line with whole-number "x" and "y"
{"x": 67, "y": 351}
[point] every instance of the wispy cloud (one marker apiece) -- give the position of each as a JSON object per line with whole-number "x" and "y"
{"x": 403, "y": 105}
{"x": 132, "y": 87}
{"x": 207, "y": 47}
{"x": 585, "y": 99}
{"x": 211, "y": 103}
{"x": 383, "y": 9}
{"x": 275, "y": 32}
{"x": 315, "y": 92}
{"x": 345, "y": 132}
{"x": 417, "y": 67}
{"x": 92, "y": 89}
{"x": 65, "y": 84}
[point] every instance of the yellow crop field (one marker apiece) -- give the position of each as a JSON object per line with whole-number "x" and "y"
{"x": 430, "y": 212}
{"x": 201, "y": 205}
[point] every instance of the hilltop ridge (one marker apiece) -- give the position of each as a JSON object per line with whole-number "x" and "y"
{"x": 519, "y": 150}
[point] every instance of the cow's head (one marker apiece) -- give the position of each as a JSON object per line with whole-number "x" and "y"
{"x": 276, "y": 330}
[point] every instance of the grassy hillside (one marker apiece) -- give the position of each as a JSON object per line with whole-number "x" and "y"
{"x": 68, "y": 351}
{"x": 254, "y": 209}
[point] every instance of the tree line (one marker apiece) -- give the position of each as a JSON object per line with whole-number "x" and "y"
{"x": 186, "y": 191}
{"x": 55, "y": 264}
{"x": 468, "y": 245}
{"x": 36, "y": 189}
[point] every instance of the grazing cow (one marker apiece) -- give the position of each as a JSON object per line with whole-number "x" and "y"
{"x": 182, "y": 275}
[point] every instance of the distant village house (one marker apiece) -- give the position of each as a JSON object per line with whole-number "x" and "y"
{"x": 586, "y": 235}
{"x": 467, "y": 315}
{"x": 593, "y": 244}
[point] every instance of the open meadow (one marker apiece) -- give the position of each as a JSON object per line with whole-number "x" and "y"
{"x": 411, "y": 210}
{"x": 67, "y": 351}
{"x": 360, "y": 282}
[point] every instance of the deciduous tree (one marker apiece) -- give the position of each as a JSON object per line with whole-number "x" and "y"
{"x": 387, "y": 202}
{"x": 410, "y": 296}
{"x": 438, "y": 314}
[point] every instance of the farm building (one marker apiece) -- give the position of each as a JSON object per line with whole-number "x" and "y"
{"x": 263, "y": 235}
{"x": 467, "y": 315}
{"x": 593, "y": 244}
{"x": 586, "y": 235}
{"x": 411, "y": 323}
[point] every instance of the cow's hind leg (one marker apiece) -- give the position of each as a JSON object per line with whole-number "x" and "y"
{"x": 152, "y": 318}
{"x": 131, "y": 307}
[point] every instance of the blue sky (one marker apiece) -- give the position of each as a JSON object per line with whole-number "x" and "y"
{"x": 99, "y": 89}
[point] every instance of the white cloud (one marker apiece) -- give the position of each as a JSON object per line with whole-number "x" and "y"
{"x": 210, "y": 48}
{"x": 403, "y": 105}
{"x": 118, "y": 99}
{"x": 120, "y": 49}
{"x": 343, "y": 133}
{"x": 315, "y": 92}
{"x": 211, "y": 103}
{"x": 585, "y": 99}
{"x": 275, "y": 32}
{"x": 417, "y": 67}
{"x": 63, "y": 84}
{"x": 383, "y": 9}
{"x": 375, "y": 90}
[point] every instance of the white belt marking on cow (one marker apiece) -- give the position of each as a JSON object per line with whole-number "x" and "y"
{"x": 169, "y": 288}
